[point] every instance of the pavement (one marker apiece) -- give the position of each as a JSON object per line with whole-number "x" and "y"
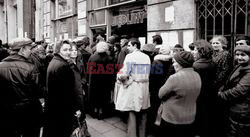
{"x": 108, "y": 127}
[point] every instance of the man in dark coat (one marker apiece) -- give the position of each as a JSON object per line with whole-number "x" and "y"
{"x": 124, "y": 51}
{"x": 20, "y": 94}
{"x": 82, "y": 59}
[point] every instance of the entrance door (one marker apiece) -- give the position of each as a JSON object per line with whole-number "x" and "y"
{"x": 223, "y": 17}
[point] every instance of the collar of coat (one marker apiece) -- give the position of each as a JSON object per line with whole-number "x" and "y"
{"x": 16, "y": 57}
{"x": 245, "y": 68}
{"x": 242, "y": 71}
{"x": 58, "y": 57}
{"x": 203, "y": 60}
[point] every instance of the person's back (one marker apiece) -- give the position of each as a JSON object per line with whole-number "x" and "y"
{"x": 179, "y": 95}
{"x": 20, "y": 93}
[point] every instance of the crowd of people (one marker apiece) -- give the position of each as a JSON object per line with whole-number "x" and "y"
{"x": 158, "y": 90}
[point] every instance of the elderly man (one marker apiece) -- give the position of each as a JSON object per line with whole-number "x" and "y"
{"x": 20, "y": 106}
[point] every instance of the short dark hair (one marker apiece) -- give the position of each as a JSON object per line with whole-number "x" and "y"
{"x": 246, "y": 38}
{"x": 191, "y": 46}
{"x": 1, "y": 42}
{"x": 157, "y": 39}
{"x": 135, "y": 41}
{"x": 205, "y": 49}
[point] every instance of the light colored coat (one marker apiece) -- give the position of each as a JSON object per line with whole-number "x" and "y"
{"x": 134, "y": 96}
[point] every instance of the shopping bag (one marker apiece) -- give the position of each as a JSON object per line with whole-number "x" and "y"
{"x": 81, "y": 130}
{"x": 158, "y": 116}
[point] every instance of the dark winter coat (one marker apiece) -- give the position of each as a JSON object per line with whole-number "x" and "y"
{"x": 205, "y": 115}
{"x": 61, "y": 99}
{"x": 19, "y": 97}
{"x": 223, "y": 62}
{"x": 122, "y": 55}
{"x": 100, "y": 79}
{"x": 160, "y": 72}
{"x": 3, "y": 53}
{"x": 236, "y": 95}
{"x": 78, "y": 90}
{"x": 82, "y": 59}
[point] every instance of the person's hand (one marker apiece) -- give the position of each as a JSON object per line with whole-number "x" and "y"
{"x": 78, "y": 113}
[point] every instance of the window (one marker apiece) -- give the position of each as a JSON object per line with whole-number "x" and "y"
{"x": 66, "y": 7}
{"x": 97, "y": 3}
{"x": 97, "y": 18}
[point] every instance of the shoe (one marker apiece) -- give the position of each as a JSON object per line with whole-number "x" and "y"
{"x": 100, "y": 116}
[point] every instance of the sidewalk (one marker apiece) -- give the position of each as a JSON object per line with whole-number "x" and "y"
{"x": 109, "y": 127}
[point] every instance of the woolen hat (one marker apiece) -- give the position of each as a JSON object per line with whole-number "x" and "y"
{"x": 18, "y": 43}
{"x": 243, "y": 48}
{"x": 111, "y": 40}
{"x": 184, "y": 58}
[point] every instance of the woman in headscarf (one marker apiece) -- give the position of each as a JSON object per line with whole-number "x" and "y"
{"x": 61, "y": 100}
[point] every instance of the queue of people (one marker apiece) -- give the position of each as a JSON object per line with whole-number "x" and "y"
{"x": 160, "y": 90}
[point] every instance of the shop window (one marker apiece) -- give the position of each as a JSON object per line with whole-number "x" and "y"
{"x": 97, "y": 18}
{"x": 66, "y": 7}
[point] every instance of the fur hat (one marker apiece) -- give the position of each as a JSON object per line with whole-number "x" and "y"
{"x": 148, "y": 47}
{"x": 18, "y": 43}
{"x": 243, "y": 48}
{"x": 164, "y": 50}
{"x": 184, "y": 58}
{"x": 102, "y": 47}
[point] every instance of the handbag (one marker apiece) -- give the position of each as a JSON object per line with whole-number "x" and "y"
{"x": 81, "y": 130}
{"x": 158, "y": 116}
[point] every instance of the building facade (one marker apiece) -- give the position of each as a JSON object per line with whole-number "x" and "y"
{"x": 177, "y": 21}
{"x": 17, "y": 19}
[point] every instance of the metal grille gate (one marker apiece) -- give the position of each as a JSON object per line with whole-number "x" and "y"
{"x": 223, "y": 17}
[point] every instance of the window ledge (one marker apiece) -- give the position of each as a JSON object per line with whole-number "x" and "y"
{"x": 113, "y": 5}
{"x": 64, "y": 17}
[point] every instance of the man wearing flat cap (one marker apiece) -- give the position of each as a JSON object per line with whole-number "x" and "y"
{"x": 19, "y": 97}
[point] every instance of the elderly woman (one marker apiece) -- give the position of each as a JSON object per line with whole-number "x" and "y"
{"x": 205, "y": 66}
{"x": 221, "y": 58}
{"x": 179, "y": 95}
{"x": 60, "y": 102}
{"x": 236, "y": 95}
{"x": 100, "y": 79}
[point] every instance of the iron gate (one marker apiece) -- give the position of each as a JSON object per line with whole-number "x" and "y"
{"x": 223, "y": 17}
